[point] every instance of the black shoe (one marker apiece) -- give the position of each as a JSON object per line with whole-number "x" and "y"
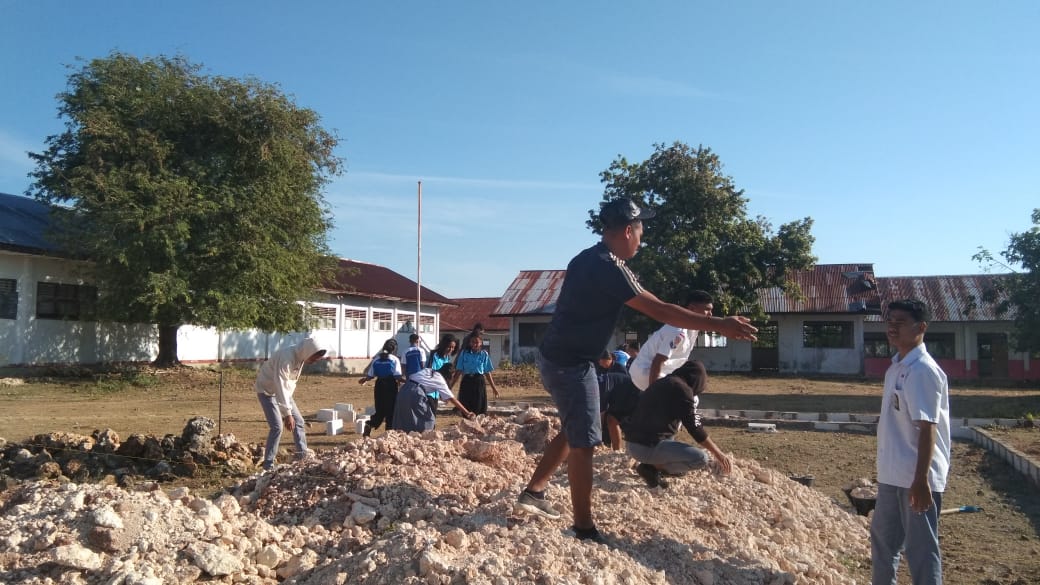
{"x": 588, "y": 534}
{"x": 651, "y": 475}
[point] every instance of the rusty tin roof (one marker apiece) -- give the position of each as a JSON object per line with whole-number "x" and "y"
{"x": 826, "y": 288}
{"x": 950, "y": 298}
{"x": 532, "y": 292}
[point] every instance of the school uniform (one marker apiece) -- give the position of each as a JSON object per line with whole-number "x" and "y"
{"x": 414, "y": 360}
{"x": 416, "y": 407}
{"x": 473, "y": 388}
{"x": 386, "y": 369}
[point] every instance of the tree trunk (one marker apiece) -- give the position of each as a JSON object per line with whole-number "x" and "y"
{"x": 167, "y": 357}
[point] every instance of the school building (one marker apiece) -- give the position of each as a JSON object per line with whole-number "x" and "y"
{"x": 833, "y": 328}
{"x": 46, "y": 307}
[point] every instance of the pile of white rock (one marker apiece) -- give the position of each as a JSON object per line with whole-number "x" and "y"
{"x": 434, "y": 508}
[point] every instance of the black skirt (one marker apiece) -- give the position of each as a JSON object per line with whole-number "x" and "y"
{"x": 473, "y": 393}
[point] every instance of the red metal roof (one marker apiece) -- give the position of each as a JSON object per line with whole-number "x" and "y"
{"x": 826, "y": 288}
{"x": 471, "y": 311}
{"x": 950, "y": 298}
{"x": 532, "y": 292}
{"x": 378, "y": 282}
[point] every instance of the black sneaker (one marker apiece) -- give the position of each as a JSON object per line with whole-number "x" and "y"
{"x": 651, "y": 475}
{"x": 588, "y": 534}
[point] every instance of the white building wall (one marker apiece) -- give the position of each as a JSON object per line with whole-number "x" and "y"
{"x": 27, "y": 340}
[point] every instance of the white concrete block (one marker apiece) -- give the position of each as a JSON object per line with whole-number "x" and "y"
{"x": 359, "y": 424}
{"x": 761, "y": 427}
{"x": 342, "y": 407}
{"x": 327, "y": 414}
{"x": 333, "y": 427}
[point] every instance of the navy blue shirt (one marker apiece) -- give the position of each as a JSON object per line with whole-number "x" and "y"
{"x": 596, "y": 287}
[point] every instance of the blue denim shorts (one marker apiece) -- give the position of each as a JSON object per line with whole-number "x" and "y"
{"x": 575, "y": 391}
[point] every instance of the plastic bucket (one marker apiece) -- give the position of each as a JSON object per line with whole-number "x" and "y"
{"x": 863, "y": 506}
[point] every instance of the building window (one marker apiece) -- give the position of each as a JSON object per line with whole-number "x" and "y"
{"x": 8, "y": 298}
{"x": 355, "y": 319}
{"x": 426, "y": 324}
{"x": 875, "y": 345}
{"x": 827, "y": 334}
{"x": 941, "y": 345}
{"x": 531, "y": 334}
{"x": 382, "y": 321}
{"x": 405, "y": 322}
{"x": 768, "y": 336}
{"x": 65, "y": 301}
{"x": 323, "y": 317}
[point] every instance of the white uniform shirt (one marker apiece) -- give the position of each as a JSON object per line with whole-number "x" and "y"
{"x": 672, "y": 342}
{"x": 432, "y": 382}
{"x": 915, "y": 390}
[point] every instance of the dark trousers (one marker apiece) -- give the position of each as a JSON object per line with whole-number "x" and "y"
{"x": 473, "y": 393}
{"x": 385, "y": 396}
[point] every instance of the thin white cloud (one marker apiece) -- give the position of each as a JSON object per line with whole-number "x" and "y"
{"x": 472, "y": 182}
{"x": 654, "y": 87}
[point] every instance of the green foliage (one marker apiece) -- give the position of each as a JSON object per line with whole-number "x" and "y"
{"x": 1020, "y": 288}
{"x": 702, "y": 237}
{"x": 196, "y": 198}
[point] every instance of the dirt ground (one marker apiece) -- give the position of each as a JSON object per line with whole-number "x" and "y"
{"x": 998, "y": 546}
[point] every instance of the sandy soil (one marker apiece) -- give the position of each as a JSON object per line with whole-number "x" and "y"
{"x": 998, "y": 546}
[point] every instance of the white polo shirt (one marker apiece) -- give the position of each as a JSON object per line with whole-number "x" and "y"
{"x": 672, "y": 342}
{"x": 916, "y": 389}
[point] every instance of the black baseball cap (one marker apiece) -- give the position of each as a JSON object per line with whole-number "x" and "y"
{"x": 622, "y": 211}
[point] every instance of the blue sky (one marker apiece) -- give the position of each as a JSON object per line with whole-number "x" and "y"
{"x": 908, "y": 131}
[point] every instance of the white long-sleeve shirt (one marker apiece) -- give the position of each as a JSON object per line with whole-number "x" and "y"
{"x": 278, "y": 376}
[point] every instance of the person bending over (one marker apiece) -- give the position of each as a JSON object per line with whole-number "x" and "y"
{"x": 650, "y": 431}
{"x": 416, "y": 407}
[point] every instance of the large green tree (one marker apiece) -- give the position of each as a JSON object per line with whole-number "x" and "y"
{"x": 1021, "y": 288}
{"x": 196, "y": 198}
{"x": 702, "y": 237}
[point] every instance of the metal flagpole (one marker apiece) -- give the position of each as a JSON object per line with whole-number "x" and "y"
{"x": 418, "y": 271}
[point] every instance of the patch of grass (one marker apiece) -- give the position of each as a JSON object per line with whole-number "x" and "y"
{"x": 115, "y": 381}
{"x": 521, "y": 375}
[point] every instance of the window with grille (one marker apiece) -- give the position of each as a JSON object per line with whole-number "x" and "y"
{"x": 323, "y": 317}
{"x": 65, "y": 301}
{"x": 426, "y": 324}
{"x": 531, "y": 334}
{"x": 8, "y": 298}
{"x": 355, "y": 319}
{"x": 875, "y": 345}
{"x": 827, "y": 334}
{"x": 941, "y": 345}
{"x": 382, "y": 321}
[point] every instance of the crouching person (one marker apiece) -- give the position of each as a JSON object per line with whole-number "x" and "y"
{"x": 650, "y": 430}
{"x": 416, "y": 406}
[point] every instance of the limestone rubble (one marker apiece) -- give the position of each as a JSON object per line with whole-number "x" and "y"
{"x": 434, "y": 509}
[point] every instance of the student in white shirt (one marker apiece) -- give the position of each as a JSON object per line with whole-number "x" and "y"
{"x": 913, "y": 453}
{"x": 669, "y": 347}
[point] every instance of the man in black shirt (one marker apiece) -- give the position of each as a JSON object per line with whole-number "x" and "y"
{"x": 650, "y": 430}
{"x": 597, "y": 285}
